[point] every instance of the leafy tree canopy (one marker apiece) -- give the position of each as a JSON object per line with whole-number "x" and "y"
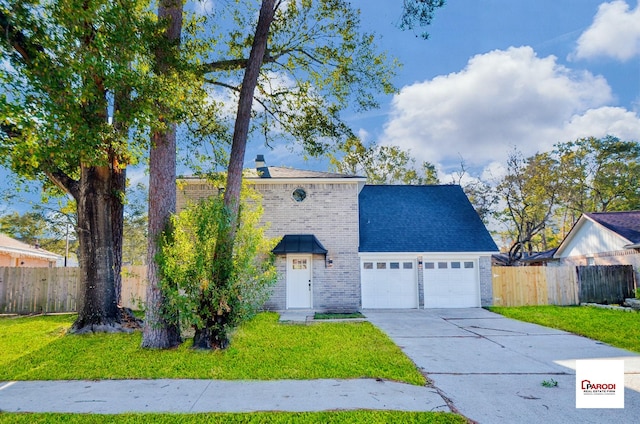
{"x": 382, "y": 164}
{"x": 420, "y": 13}
{"x": 318, "y": 63}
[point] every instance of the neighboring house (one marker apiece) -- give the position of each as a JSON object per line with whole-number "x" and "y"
{"x": 346, "y": 245}
{"x": 603, "y": 238}
{"x": 14, "y": 253}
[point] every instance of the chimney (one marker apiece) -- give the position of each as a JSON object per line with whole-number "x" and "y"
{"x": 261, "y": 167}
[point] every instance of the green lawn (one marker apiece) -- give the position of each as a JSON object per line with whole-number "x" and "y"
{"x": 36, "y": 348}
{"x": 617, "y": 328}
{"x": 333, "y": 417}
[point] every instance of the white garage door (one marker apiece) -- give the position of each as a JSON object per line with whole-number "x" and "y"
{"x": 451, "y": 284}
{"x": 389, "y": 284}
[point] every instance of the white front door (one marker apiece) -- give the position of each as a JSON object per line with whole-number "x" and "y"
{"x": 299, "y": 286}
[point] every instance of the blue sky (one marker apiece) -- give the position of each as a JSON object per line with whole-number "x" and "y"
{"x": 494, "y": 75}
{"x": 499, "y": 74}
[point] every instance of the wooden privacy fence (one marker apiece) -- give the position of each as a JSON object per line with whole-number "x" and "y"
{"x": 563, "y": 285}
{"x": 606, "y": 284}
{"x": 534, "y": 285}
{"x": 48, "y": 290}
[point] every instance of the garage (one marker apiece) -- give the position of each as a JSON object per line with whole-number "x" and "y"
{"x": 451, "y": 283}
{"x": 389, "y": 284}
{"x": 438, "y": 232}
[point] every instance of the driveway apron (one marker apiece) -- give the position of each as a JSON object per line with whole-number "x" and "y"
{"x": 491, "y": 368}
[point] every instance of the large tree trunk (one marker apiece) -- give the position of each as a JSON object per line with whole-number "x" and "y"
{"x": 118, "y": 187}
{"x": 98, "y": 304}
{"x": 158, "y": 331}
{"x": 214, "y": 335}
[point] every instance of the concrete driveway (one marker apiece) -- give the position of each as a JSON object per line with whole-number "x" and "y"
{"x": 491, "y": 368}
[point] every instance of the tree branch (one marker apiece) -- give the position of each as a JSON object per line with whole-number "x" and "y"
{"x": 237, "y": 64}
{"x": 16, "y": 39}
{"x": 64, "y": 182}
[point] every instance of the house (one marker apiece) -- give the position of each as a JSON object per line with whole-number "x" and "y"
{"x": 603, "y": 238}
{"x": 14, "y": 253}
{"x": 346, "y": 245}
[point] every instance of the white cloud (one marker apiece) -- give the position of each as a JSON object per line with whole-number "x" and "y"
{"x": 204, "y": 7}
{"x": 615, "y": 32}
{"x": 604, "y": 121}
{"x": 503, "y": 99}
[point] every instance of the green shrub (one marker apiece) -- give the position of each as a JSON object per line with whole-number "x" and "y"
{"x": 196, "y": 298}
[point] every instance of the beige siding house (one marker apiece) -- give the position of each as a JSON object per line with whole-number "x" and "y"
{"x": 14, "y": 253}
{"x": 603, "y": 238}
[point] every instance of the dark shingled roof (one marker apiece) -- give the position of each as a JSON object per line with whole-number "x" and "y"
{"x": 395, "y": 218}
{"x": 627, "y": 224}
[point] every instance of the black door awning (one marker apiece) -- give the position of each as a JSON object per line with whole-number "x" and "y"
{"x": 299, "y": 243}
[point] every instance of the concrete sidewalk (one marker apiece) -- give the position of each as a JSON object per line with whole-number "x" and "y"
{"x": 191, "y": 396}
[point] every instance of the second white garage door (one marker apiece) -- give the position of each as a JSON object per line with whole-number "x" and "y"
{"x": 388, "y": 284}
{"x": 451, "y": 284}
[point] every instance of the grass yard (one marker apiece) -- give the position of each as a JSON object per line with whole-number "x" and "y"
{"x": 36, "y": 348}
{"x": 369, "y": 417}
{"x": 617, "y": 328}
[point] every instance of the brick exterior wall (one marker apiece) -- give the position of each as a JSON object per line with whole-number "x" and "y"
{"x": 486, "y": 281}
{"x": 330, "y": 212}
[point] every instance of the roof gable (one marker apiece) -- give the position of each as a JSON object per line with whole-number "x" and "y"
{"x": 625, "y": 224}
{"x": 396, "y": 218}
{"x": 601, "y": 231}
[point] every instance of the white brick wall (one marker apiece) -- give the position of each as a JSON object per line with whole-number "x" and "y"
{"x": 486, "y": 281}
{"x": 330, "y": 212}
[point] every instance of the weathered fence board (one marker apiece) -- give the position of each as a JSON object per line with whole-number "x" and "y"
{"x": 37, "y": 290}
{"x": 608, "y": 284}
{"x": 48, "y": 290}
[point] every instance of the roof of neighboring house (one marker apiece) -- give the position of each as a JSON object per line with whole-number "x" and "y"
{"x": 545, "y": 256}
{"x": 436, "y": 218}
{"x": 13, "y": 246}
{"x": 626, "y": 224}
